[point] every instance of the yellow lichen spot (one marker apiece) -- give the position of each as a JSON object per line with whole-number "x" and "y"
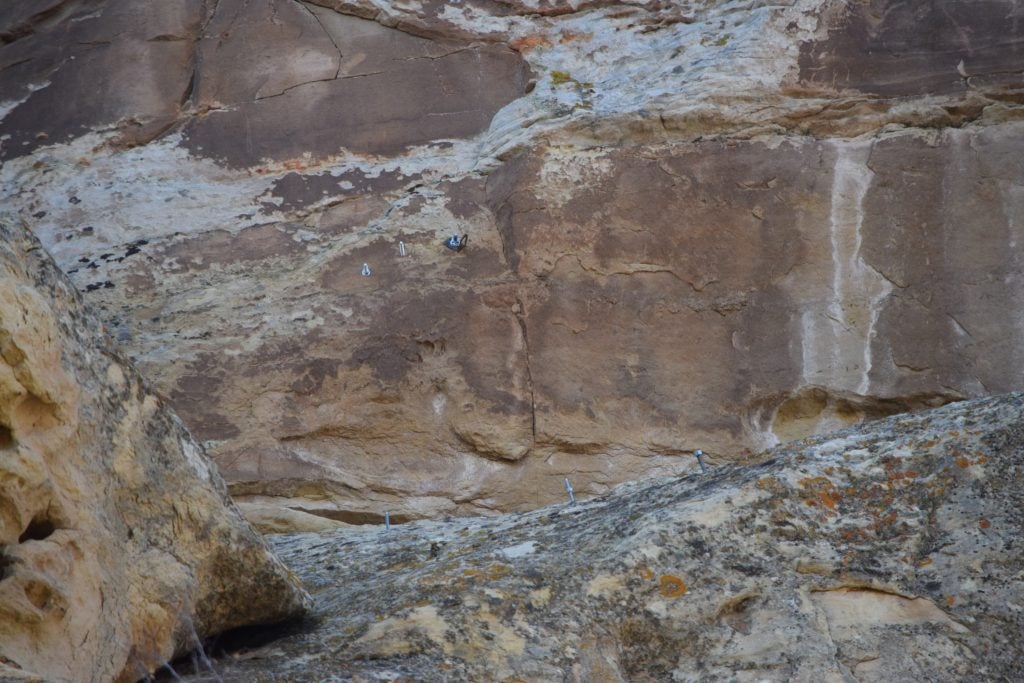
{"x": 770, "y": 484}
{"x": 561, "y": 77}
{"x": 671, "y": 586}
{"x": 646, "y": 574}
{"x": 498, "y": 570}
{"x": 925, "y": 562}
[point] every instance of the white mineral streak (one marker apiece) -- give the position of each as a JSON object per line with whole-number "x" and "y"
{"x": 837, "y": 340}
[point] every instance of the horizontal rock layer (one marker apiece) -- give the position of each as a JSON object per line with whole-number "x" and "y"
{"x": 886, "y": 552}
{"x": 713, "y": 225}
{"x": 119, "y": 547}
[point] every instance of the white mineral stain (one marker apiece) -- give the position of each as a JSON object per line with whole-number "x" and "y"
{"x": 836, "y": 341}
{"x": 519, "y": 550}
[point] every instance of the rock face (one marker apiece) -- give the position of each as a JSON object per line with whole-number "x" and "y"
{"x": 692, "y": 224}
{"x": 119, "y": 547}
{"x": 888, "y": 552}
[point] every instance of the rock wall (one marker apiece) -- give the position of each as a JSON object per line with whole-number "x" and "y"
{"x": 888, "y": 552}
{"x": 119, "y": 547}
{"x": 715, "y": 225}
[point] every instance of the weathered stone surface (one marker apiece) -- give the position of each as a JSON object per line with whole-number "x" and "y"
{"x": 705, "y": 266}
{"x": 709, "y": 224}
{"x": 887, "y": 552}
{"x": 917, "y": 48}
{"x": 119, "y": 547}
{"x": 355, "y": 86}
{"x": 70, "y": 67}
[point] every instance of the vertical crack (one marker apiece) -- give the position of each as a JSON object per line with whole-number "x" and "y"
{"x": 521, "y": 319}
{"x": 316, "y": 18}
{"x": 192, "y": 90}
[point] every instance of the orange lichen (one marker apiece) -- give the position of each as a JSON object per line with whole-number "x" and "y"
{"x": 882, "y": 521}
{"x": 671, "y": 586}
{"x": 646, "y": 574}
{"x": 950, "y": 599}
{"x": 528, "y": 43}
{"x": 962, "y": 462}
{"x": 925, "y": 562}
{"x": 984, "y": 524}
{"x": 822, "y": 491}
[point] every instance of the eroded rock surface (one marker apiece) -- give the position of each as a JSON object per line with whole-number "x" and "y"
{"x": 692, "y": 224}
{"x": 119, "y": 547}
{"x": 887, "y": 552}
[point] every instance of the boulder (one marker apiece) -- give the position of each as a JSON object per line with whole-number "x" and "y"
{"x": 886, "y": 552}
{"x": 119, "y": 546}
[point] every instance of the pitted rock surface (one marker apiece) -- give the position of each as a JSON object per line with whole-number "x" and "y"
{"x": 887, "y": 552}
{"x": 712, "y": 224}
{"x": 119, "y": 546}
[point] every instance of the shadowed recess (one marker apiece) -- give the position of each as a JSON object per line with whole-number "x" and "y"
{"x": 38, "y": 529}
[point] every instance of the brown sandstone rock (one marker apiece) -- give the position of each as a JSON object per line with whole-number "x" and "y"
{"x": 355, "y": 85}
{"x": 887, "y": 552}
{"x": 708, "y": 224}
{"x": 119, "y": 547}
{"x": 70, "y": 67}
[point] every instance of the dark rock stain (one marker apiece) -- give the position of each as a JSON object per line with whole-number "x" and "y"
{"x": 893, "y": 49}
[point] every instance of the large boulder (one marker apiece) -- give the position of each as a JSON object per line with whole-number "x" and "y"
{"x": 888, "y": 552}
{"x": 119, "y": 546}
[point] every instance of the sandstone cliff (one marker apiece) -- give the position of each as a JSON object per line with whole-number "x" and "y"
{"x": 889, "y": 552}
{"x": 119, "y": 546}
{"x": 713, "y": 224}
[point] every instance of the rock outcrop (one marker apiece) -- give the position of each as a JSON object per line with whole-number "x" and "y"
{"x": 119, "y": 547}
{"x": 888, "y": 552}
{"x": 692, "y": 224}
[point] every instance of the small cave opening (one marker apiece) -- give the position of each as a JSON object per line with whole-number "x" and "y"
{"x": 40, "y": 528}
{"x": 356, "y": 517}
{"x": 6, "y": 437}
{"x": 203, "y": 660}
